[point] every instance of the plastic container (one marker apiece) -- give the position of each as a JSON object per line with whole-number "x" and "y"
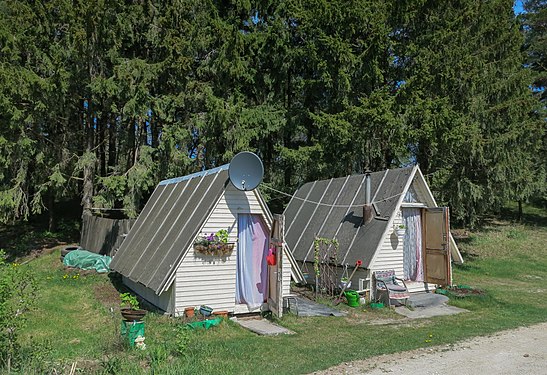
{"x": 131, "y": 330}
{"x": 205, "y": 323}
{"x": 205, "y": 310}
{"x": 353, "y": 298}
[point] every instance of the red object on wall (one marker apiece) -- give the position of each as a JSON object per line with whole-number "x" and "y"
{"x": 270, "y": 258}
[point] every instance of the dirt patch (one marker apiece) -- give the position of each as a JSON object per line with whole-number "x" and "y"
{"x": 460, "y": 291}
{"x": 44, "y": 250}
{"x": 107, "y": 295}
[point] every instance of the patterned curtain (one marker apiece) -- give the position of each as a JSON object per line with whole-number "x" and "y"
{"x": 412, "y": 245}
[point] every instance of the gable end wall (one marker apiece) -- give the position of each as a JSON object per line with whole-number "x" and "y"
{"x": 390, "y": 256}
{"x": 211, "y": 281}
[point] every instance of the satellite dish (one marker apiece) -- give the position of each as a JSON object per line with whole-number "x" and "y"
{"x": 246, "y": 171}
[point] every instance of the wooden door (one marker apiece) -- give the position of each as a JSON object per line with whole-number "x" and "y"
{"x": 275, "y": 273}
{"x": 437, "y": 267}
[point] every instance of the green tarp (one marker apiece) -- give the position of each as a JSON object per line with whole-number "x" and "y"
{"x": 87, "y": 260}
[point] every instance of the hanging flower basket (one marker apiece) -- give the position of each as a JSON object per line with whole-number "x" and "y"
{"x": 215, "y": 244}
{"x": 218, "y": 249}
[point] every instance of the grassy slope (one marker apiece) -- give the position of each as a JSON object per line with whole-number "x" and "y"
{"x": 508, "y": 261}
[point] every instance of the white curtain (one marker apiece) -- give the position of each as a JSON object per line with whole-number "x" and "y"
{"x": 412, "y": 245}
{"x": 252, "y": 270}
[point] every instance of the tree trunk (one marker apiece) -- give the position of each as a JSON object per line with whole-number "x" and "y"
{"x": 50, "y": 207}
{"x": 519, "y": 217}
{"x": 102, "y": 146}
{"x": 112, "y": 149}
{"x": 89, "y": 167}
{"x": 130, "y": 143}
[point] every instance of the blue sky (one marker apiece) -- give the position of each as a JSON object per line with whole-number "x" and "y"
{"x": 518, "y": 7}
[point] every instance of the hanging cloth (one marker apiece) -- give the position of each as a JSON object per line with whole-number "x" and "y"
{"x": 252, "y": 269}
{"x": 412, "y": 245}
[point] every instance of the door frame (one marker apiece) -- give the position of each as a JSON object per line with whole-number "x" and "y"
{"x": 275, "y": 273}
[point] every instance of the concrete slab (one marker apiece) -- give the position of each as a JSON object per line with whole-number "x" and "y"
{"x": 428, "y": 312}
{"x": 261, "y": 326}
{"x": 426, "y": 300}
{"x": 427, "y": 305}
{"x": 306, "y": 307}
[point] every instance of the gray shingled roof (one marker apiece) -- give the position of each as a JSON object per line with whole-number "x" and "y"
{"x": 166, "y": 227}
{"x": 320, "y": 208}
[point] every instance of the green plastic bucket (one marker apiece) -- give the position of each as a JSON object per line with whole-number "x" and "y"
{"x": 353, "y": 298}
{"x": 131, "y": 330}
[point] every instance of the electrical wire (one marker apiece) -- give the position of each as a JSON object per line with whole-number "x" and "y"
{"x": 326, "y": 204}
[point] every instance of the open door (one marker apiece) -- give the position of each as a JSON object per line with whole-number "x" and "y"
{"x": 275, "y": 272}
{"x": 437, "y": 265}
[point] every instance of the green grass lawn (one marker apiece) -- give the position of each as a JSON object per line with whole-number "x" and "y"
{"x": 72, "y": 321}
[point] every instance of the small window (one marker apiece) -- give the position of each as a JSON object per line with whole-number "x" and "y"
{"x": 411, "y": 196}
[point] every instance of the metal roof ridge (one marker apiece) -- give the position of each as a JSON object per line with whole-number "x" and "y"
{"x": 194, "y": 175}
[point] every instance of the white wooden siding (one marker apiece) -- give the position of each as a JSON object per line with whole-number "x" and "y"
{"x": 390, "y": 257}
{"x": 286, "y": 275}
{"x": 212, "y": 280}
{"x": 163, "y": 301}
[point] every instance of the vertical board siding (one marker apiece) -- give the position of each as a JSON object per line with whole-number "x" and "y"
{"x": 209, "y": 280}
{"x": 103, "y": 235}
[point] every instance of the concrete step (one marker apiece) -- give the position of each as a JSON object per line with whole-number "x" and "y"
{"x": 426, "y": 300}
{"x": 261, "y": 326}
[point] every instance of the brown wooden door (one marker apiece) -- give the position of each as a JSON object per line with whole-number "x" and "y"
{"x": 275, "y": 273}
{"x": 437, "y": 265}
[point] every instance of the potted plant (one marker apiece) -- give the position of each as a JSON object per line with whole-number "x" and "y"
{"x": 132, "y": 310}
{"x": 345, "y": 283}
{"x": 190, "y": 312}
{"x": 400, "y": 230}
{"x": 214, "y": 244}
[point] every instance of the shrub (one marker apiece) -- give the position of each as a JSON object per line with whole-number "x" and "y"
{"x": 17, "y": 293}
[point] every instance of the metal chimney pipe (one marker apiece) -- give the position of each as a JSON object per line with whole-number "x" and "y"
{"x": 367, "y": 187}
{"x": 367, "y": 208}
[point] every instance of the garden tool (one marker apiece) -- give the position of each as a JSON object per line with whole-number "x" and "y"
{"x": 339, "y": 299}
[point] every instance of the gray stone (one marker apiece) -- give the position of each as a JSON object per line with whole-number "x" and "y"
{"x": 306, "y": 307}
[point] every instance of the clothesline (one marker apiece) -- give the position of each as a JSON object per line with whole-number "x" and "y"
{"x": 327, "y": 204}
